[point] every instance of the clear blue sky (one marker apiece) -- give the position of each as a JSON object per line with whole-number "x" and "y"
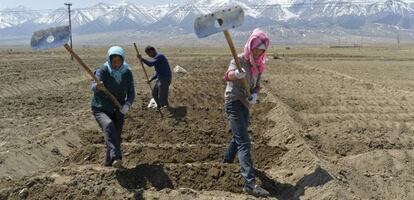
{"x": 48, "y": 4}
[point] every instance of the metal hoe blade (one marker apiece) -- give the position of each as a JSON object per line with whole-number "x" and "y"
{"x": 218, "y": 21}
{"x": 50, "y": 38}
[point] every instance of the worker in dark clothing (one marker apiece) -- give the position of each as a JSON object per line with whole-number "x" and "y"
{"x": 162, "y": 74}
{"x": 116, "y": 77}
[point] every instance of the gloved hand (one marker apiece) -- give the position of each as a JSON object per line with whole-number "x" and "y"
{"x": 100, "y": 86}
{"x": 149, "y": 81}
{"x": 125, "y": 108}
{"x": 253, "y": 99}
{"x": 240, "y": 74}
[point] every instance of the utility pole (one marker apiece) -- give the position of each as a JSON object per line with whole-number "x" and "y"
{"x": 398, "y": 39}
{"x": 339, "y": 41}
{"x": 362, "y": 41}
{"x": 70, "y": 26}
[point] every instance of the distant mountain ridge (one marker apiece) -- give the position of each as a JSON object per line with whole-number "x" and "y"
{"x": 324, "y": 14}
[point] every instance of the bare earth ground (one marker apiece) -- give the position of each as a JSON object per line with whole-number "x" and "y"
{"x": 331, "y": 124}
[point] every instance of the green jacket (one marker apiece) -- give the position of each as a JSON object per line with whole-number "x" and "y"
{"x": 119, "y": 83}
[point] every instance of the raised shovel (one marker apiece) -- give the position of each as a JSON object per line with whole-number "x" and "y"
{"x": 57, "y": 37}
{"x": 221, "y": 21}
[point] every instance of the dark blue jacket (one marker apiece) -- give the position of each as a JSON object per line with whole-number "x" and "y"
{"x": 162, "y": 67}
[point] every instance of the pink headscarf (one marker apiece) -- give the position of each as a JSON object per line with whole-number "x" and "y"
{"x": 257, "y": 38}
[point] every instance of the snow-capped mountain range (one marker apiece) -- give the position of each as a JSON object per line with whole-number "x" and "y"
{"x": 350, "y": 14}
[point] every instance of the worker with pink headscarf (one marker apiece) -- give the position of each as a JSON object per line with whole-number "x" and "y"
{"x": 237, "y": 104}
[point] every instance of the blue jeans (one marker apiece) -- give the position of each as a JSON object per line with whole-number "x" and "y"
{"x": 111, "y": 125}
{"x": 240, "y": 144}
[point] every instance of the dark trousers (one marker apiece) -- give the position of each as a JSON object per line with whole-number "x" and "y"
{"x": 240, "y": 144}
{"x": 111, "y": 125}
{"x": 160, "y": 92}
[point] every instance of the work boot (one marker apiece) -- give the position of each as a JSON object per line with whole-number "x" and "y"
{"x": 107, "y": 161}
{"x": 106, "y": 164}
{"x": 165, "y": 110}
{"x": 256, "y": 191}
{"x": 118, "y": 164}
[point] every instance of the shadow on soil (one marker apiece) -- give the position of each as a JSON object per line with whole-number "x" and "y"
{"x": 289, "y": 192}
{"x": 146, "y": 175}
